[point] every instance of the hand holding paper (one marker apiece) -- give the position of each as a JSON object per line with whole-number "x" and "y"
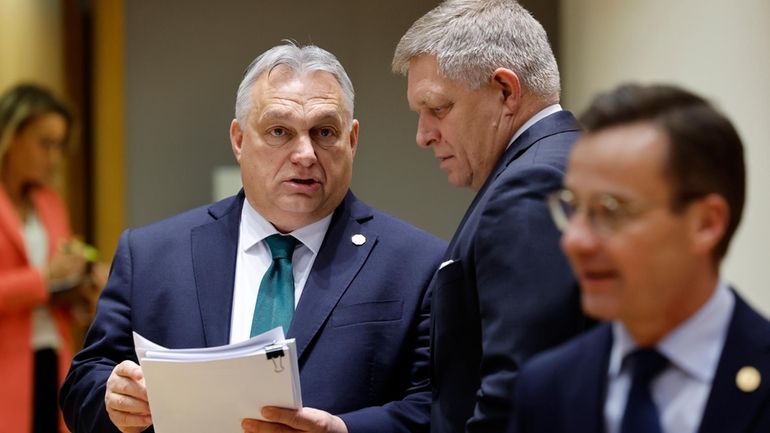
{"x": 126, "y": 398}
{"x": 205, "y": 390}
{"x": 297, "y": 420}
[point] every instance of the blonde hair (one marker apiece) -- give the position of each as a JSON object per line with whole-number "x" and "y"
{"x": 20, "y": 105}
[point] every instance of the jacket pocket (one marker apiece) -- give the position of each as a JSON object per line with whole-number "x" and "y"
{"x": 367, "y": 312}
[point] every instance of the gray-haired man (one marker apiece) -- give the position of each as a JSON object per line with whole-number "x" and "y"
{"x": 483, "y": 79}
{"x": 359, "y": 276}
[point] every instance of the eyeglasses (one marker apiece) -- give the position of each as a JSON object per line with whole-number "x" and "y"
{"x": 605, "y": 212}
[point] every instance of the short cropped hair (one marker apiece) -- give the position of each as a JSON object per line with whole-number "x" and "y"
{"x": 472, "y": 38}
{"x": 301, "y": 60}
{"x": 705, "y": 153}
{"x": 22, "y": 104}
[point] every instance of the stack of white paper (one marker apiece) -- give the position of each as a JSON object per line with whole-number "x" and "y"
{"x": 212, "y": 389}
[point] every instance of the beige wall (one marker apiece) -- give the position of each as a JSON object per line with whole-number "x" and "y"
{"x": 719, "y": 49}
{"x": 31, "y": 43}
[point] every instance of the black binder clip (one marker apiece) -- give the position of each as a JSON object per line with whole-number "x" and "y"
{"x": 275, "y": 353}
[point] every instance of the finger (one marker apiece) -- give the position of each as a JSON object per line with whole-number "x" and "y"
{"x": 300, "y": 419}
{"x": 257, "y": 426}
{"x": 130, "y": 370}
{"x": 125, "y": 419}
{"x": 126, "y": 403}
{"x": 122, "y": 381}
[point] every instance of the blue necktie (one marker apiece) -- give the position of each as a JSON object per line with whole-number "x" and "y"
{"x": 641, "y": 415}
{"x": 275, "y": 301}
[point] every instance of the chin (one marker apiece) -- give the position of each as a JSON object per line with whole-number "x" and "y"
{"x": 458, "y": 181}
{"x": 598, "y": 307}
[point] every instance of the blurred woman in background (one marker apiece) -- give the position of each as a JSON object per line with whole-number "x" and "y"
{"x": 46, "y": 283}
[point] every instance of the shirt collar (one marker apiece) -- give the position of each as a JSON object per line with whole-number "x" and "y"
{"x": 255, "y": 228}
{"x": 694, "y": 346}
{"x": 542, "y": 114}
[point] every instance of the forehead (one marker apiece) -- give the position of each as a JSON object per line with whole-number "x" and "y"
{"x": 426, "y": 86}
{"x": 284, "y": 89}
{"x": 626, "y": 160}
{"x": 47, "y": 123}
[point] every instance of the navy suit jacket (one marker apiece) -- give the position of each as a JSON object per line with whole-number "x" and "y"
{"x": 563, "y": 390}
{"x": 361, "y": 325}
{"x": 509, "y": 292}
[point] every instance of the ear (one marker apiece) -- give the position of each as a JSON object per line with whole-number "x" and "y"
{"x": 354, "y": 137}
{"x": 236, "y": 139}
{"x": 506, "y": 83}
{"x": 711, "y": 216}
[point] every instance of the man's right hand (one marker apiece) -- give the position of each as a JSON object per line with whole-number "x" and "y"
{"x": 126, "y": 398}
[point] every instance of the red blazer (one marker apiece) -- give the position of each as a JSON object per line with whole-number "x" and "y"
{"x": 22, "y": 288}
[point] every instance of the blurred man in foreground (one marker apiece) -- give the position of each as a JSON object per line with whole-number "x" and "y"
{"x": 653, "y": 194}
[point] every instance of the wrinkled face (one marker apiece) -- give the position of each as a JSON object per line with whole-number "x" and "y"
{"x": 36, "y": 150}
{"x": 638, "y": 269}
{"x": 462, "y": 126}
{"x": 296, "y": 149}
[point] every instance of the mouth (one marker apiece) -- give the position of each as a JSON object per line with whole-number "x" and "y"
{"x": 303, "y": 184}
{"x": 442, "y": 160}
{"x": 597, "y": 276}
{"x": 302, "y": 181}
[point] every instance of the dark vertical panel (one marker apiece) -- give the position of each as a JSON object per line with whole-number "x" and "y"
{"x": 76, "y": 81}
{"x": 547, "y": 12}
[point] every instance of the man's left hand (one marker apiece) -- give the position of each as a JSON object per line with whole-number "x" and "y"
{"x": 294, "y": 420}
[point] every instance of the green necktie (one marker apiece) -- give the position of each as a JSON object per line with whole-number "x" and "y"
{"x": 275, "y": 301}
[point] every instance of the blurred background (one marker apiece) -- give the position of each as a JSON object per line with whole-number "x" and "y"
{"x": 153, "y": 86}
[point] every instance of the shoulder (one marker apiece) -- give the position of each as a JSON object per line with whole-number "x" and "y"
{"x": 562, "y": 361}
{"x": 181, "y": 224}
{"x": 749, "y": 324}
{"x": 395, "y": 231}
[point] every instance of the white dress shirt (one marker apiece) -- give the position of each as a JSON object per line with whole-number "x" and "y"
{"x": 680, "y": 391}
{"x": 542, "y": 114}
{"x": 44, "y": 332}
{"x": 254, "y": 258}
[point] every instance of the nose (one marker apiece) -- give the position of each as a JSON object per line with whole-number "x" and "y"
{"x": 579, "y": 237}
{"x": 304, "y": 152}
{"x": 427, "y": 132}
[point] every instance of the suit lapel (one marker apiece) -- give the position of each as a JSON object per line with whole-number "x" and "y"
{"x": 214, "y": 249}
{"x": 10, "y": 223}
{"x": 747, "y": 345}
{"x": 587, "y": 399}
{"x": 335, "y": 267}
{"x": 556, "y": 123}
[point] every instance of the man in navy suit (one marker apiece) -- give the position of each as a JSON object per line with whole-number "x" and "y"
{"x": 653, "y": 194}
{"x": 359, "y": 276}
{"x": 484, "y": 82}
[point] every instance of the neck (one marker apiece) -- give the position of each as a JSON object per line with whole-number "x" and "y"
{"x": 530, "y": 105}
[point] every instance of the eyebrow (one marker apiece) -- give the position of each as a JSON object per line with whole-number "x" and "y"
{"x": 326, "y": 115}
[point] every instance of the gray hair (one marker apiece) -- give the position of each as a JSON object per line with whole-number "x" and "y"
{"x": 472, "y": 38}
{"x": 301, "y": 60}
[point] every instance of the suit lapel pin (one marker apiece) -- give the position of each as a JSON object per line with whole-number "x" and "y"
{"x": 358, "y": 239}
{"x": 748, "y": 379}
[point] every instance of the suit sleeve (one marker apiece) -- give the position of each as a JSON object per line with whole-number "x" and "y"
{"x": 109, "y": 342}
{"x": 528, "y": 298}
{"x": 412, "y": 413}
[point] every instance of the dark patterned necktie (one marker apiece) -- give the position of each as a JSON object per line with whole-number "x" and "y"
{"x": 641, "y": 414}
